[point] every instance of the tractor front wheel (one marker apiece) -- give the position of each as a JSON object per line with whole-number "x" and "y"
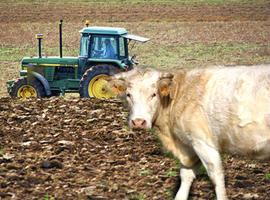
{"x": 24, "y": 88}
{"x": 94, "y": 83}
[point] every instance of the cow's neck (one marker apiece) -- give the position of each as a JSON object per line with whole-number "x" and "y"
{"x": 162, "y": 121}
{"x": 163, "y": 128}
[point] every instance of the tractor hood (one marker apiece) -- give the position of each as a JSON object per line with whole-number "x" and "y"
{"x": 49, "y": 61}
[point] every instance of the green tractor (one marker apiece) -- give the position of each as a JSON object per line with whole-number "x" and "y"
{"x": 103, "y": 52}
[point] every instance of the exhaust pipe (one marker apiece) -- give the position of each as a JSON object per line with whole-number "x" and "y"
{"x": 39, "y": 37}
{"x": 60, "y": 39}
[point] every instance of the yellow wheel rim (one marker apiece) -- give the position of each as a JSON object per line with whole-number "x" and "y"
{"x": 98, "y": 87}
{"x": 26, "y": 91}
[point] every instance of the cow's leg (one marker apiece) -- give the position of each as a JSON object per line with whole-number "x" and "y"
{"x": 189, "y": 165}
{"x": 188, "y": 159}
{"x": 211, "y": 160}
{"x": 187, "y": 176}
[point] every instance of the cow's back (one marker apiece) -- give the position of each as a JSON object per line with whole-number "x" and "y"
{"x": 237, "y": 106}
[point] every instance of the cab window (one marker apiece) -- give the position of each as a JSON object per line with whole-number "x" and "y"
{"x": 84, "y": 44}
{"x": 122, "y": 49}
{"x": 104, "y": 47}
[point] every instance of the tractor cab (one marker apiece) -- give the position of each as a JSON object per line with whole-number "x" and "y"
{"x": 107, "y": 43}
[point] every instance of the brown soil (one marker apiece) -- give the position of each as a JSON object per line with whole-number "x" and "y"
{"x": 133, "y": 12}
{"x": 82, "y": 149}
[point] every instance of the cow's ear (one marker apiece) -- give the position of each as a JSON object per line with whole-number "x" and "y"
{"x": 117, "y": 86}
{"x": 165, "y": 84}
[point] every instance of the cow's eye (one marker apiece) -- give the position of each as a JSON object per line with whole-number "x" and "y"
{"x": 128, "y": 95}
{"x": 153, "y": 95}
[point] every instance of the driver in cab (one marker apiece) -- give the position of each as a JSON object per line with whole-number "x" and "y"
{"x": 109, "y": 51}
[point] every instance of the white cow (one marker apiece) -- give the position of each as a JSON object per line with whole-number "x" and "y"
{"x": 201, "y": 113}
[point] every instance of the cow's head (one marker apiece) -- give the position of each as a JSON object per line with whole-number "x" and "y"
{"x": 145, "y": 91}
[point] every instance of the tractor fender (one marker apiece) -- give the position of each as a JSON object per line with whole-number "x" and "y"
{"x": 43, "y": 81}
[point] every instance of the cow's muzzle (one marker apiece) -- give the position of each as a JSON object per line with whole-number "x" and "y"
{"x": 138, "y": 123}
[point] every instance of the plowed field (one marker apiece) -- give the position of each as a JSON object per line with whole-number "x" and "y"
{"x": 82, "y": 149}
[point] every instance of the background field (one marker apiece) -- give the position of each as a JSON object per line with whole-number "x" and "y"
{"x": 183, "y": 33}
{"x": 82, "y": 149}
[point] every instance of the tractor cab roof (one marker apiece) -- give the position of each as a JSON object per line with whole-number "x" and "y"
{"x": 104, "y": 30}
{"x": 112, "y": 31}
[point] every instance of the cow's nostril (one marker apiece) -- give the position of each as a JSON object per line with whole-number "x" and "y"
{"x": 138, "y": 123}
{"x": 143, "y": 122}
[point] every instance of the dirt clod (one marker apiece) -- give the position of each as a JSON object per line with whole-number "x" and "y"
{"x": 51, "y": 164}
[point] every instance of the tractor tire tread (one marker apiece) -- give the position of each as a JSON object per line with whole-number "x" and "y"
{"x": 23, "y": 81}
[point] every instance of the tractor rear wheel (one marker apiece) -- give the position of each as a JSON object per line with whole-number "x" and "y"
{"x": 94, "y": 83}
{"x": 24, "y": 88}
